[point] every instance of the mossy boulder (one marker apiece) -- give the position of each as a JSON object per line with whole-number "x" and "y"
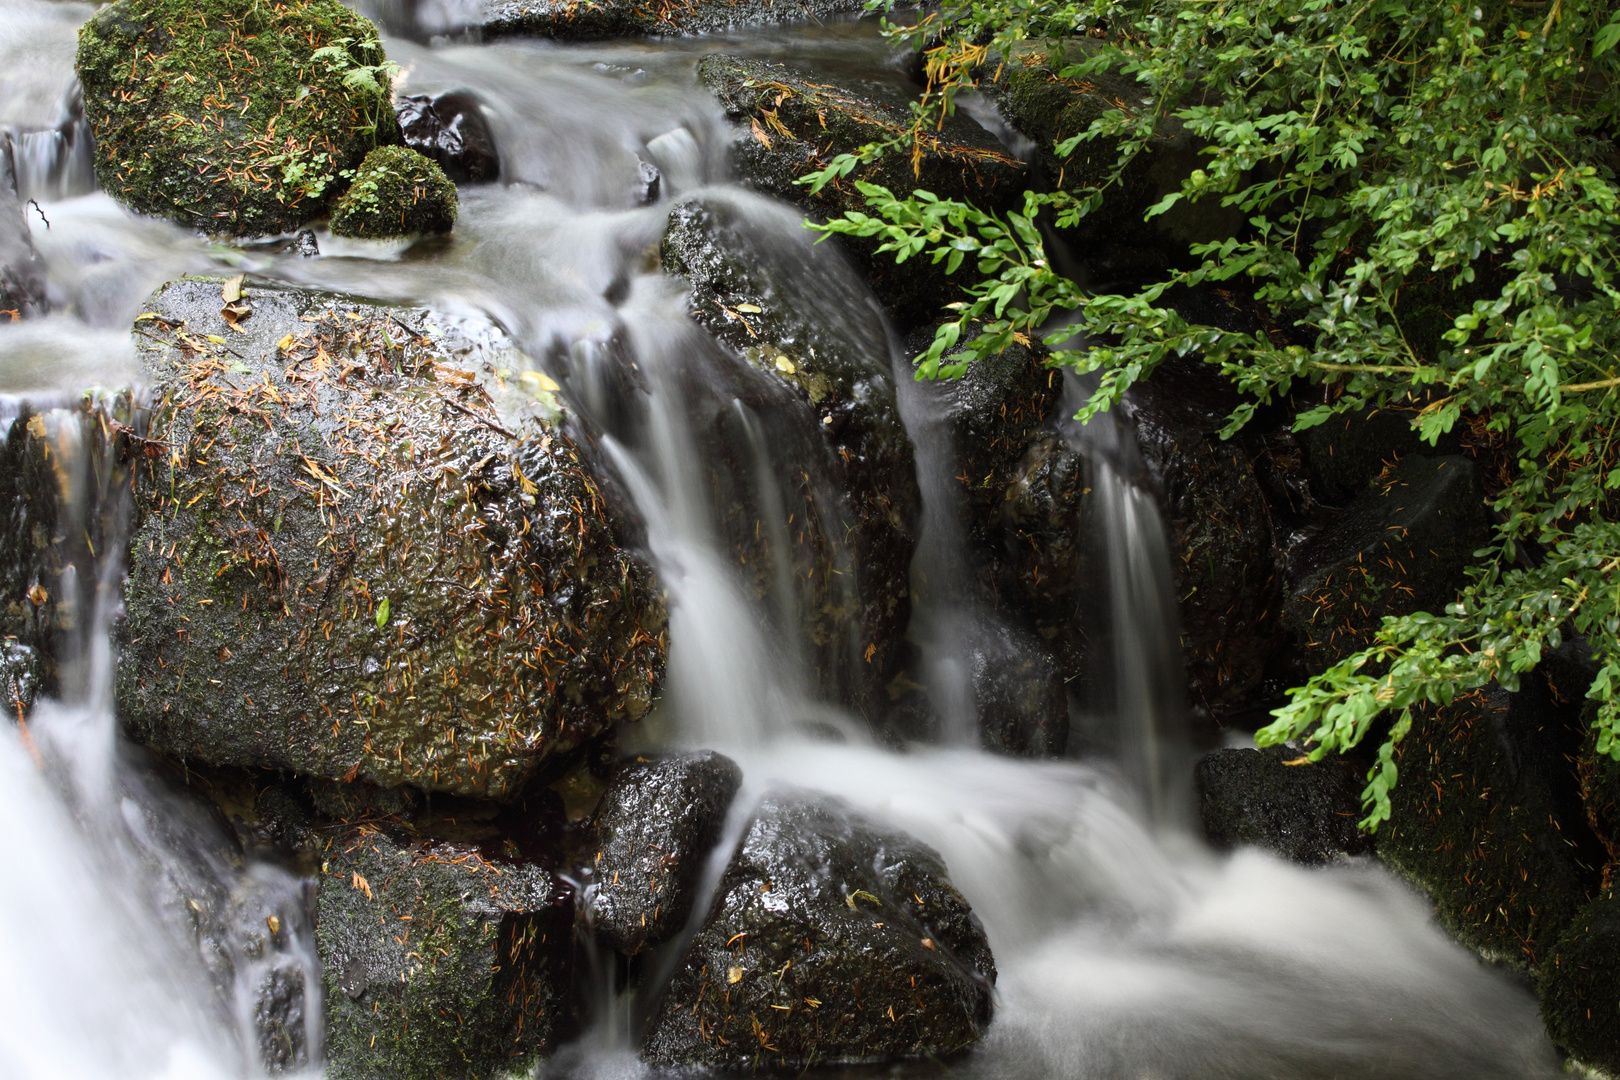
{"x": 345, "y": 565}
{"x": 1038, "y": 102}
{"x": 1580, "y": 986}
{"x": 575, "y": 20}
{"x": 1402, "y": 546}
{"x": 655, "y": 825}
{"x": 1478, "y": 822}
{"x": 816, "y": 348}
{"x": 831, "y": 940}
{"x": 439, "y": 964}
{"x": 396, "y": 192}
{"x": 790, "y": 124}
{"x": 1277, "y": 800}
{"x": 232, "y": 118}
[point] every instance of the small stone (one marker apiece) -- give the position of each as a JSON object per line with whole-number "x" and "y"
{"x": 396, "y": 192}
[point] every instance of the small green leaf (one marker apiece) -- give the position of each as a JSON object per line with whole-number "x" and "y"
{"x": 382, "y": 613}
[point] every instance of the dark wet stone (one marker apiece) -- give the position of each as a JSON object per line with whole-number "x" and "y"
{"x": 1580, "y": 986}
{"x": 1477, "y": 822}
{"x": 1304, "y": 812}
{"x": 575, "y": 21}
{"x": 22, "y": 277}
{"x": 278, "y": 611}
{"x": 649, "y": 181}
{"x": 1228, "y": 582}
{"x": 438, "y": 963}
{"x": 1400, "y": 547}
{"x": 1019, "y": 694}
{"x": 450, "y": 128}
{"x": 150, "y": 70}
{"x": 1347, "y": 453}
{"x": 818, "y": 346}
{"x": 791, "y": 124}
{"x": 831, "y": 941}
{"x": 279, "y": 1015}
{"x": 656, "y": 824}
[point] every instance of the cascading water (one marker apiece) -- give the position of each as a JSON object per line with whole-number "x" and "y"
{"x": 1123, "y": 950}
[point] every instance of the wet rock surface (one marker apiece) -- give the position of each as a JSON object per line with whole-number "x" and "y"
{"x": 22, "y": 278}
{"x": 1019, "y": 694}
{"x": 831, "y": 940}
{"x": 1400, "y": 547}
{"x": 656, "y": 824}
{"x": 574, "y": 21}
{"x": 395, "y": 192}
{"x": 791, "y": 124}
{"x": 237, "y": 125}
{"x": 1580, "y": 985}
{"x": 344, "y": 565}
{"x": 1304, "y": 812}
{"x": 802, "y": 322}
{"x": 1478, "y": 822}
{"x": 1228, "y": 584}
{"x": 450, "y": 129}
{"x": 439, "y": 963}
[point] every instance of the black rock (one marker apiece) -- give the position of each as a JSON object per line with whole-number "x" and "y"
{"x": 1305, "y": 812}
{"x": 22, "y": 277}
{"x": 450, "y": 128}
{"x": 831, "y": 941}
{"x": 1019, "y": 695}
{"x": 656, "y": 824}
{"x": 438, "y": 963}
{"x": 1402, "y": 546}
{"x": 1348, "y": 452}
{"x": 1580, "y": 986}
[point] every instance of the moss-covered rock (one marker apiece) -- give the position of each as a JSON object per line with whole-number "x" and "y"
{"x": 791, "y": 124}
{"x": 1039, "y": 103}
{"x": 1477, "y": 822}
{"x": 1400, "y": 547}
{"x": 439, "y": 964}
{"x": 233, "y": 118}
{"x": 816, "y": 340}
{"x": 655, "y": 826}
{"x": 1275, "y": 799}
{"x": 1580, "y": 986}
{"x": 830, "y": 941}
{"x": 576, "y": 20}
{"x": 345, "y": 566}
{"x": 396, "y": 192}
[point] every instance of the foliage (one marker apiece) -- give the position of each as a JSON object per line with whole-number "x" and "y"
{"x": 1431, "y": 203}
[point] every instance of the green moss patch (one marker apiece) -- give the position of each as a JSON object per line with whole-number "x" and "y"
{"x": 396, "y": 192}
{"x": 234, "y": 118}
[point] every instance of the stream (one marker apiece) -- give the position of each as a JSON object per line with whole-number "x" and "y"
{"x": 1126, "y": 947}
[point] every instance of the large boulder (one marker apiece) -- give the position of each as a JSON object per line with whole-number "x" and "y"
{"x": 1277, "y": 799}
{"x": 586, "y": 19}
{"x": 830, "y": 941}
{"x": 344, "y": 565}
{"x": 232, "y": 118}
{"x": 818, "y": 345}
{"x": 1402, "y": 546}
{"x": 656, "y": 824}
{"x": 439, "y": 964}
{"x": 1477, "y": 821}
{"x": 790, "y": 124}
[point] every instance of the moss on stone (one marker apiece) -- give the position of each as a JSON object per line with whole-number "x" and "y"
{"x": 1580, "y": 986}
{"x": 344, "y": 566}
{"x": 1478, "y": 827}
{"x": 228, "y": 116}
{"x": 396, "y": 192}
{"x": 439, "y": 964}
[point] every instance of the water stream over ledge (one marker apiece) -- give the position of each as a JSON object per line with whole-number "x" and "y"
{"x": 1126, "y": 949}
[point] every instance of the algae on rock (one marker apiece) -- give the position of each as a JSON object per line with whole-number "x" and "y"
{"x": 344, "y": 566}
{"x": 439, "y": 964}
{"x": 232, "y": 118}
{"x": 396, "y": 192}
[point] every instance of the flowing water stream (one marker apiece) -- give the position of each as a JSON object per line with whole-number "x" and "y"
{"x": 1126, "y": 949}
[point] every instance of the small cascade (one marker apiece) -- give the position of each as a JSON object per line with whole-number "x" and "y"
{"x": 56, "y": 162}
